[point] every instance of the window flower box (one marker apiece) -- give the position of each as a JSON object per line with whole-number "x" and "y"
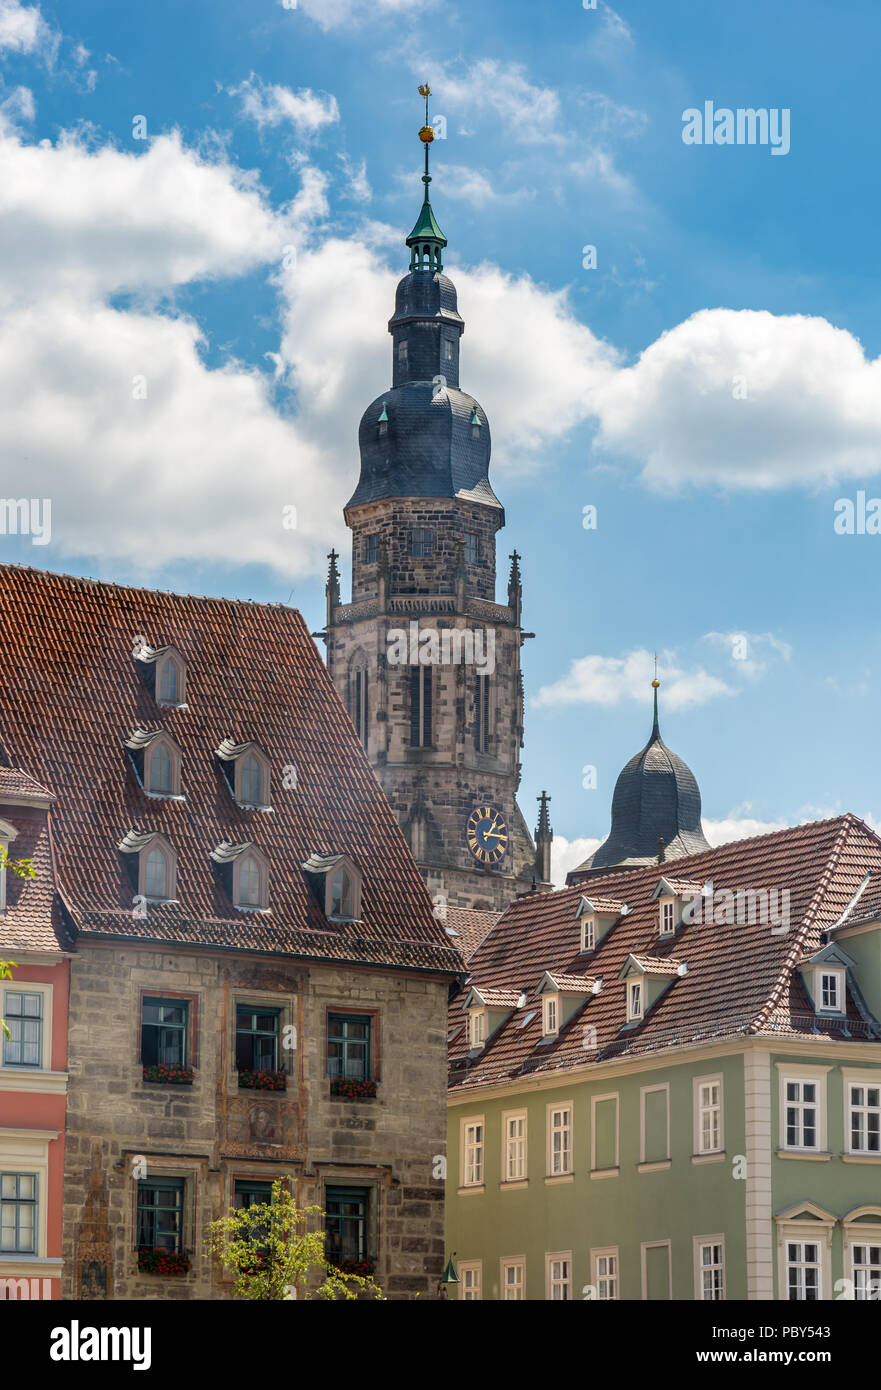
{"x": 163, "y": 1262}
{"x": 352, "y": 1088}
{"x": 263, "y": 1080}
{"x": 169, "y": 1073}
{"x": 366, "y": 1268}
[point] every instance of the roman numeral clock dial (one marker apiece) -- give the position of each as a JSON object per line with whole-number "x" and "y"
{"x": 487, "y": 834}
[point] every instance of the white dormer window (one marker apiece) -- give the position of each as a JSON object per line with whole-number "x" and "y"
{"x": 339, "y": 893}
{"x": 478, "y": 1027}
{"x": 7, "y": 834}
{"x": 549, "y": 1016}
{"x": 635, "y": 1000}
{"x": 155, "y": 868}
{"x": 336, "y": 881}
{"x": 588, "y": 933}
{"x": 831, "y": 998}
{"x": 157, "y": 761}
{"x": 156, "y": 874}
{"x": 668, "y": 917}
{"x": 248, "y": 773}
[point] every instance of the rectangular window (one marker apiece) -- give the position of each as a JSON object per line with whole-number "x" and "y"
{"x": 348, "y": 1046}
{"x": 830, "y": 991}
{"x": 18, "y": 1213}
{"x": 605, "y": 1274}
{"x": 514, "y": 1157}
{"x": 866, "y": 1272}
{"x": 549, "y": 1015}
{"x": 346, "y": 1223}
{"x": 707, "y": 1114}
{"x": 371, "y": 548}
{"x": 251, "y": 1192}
{"x": 710, "y": 1270}
{"x": 804, "y": 1281}
{"x": 559, "y": 1277}
{"x": 164, "y": 1031}
{"x": 604, "y": 1140}
{"x": 24, "y": 1019}
{"x": 421, "y": 543}
{"x": 588, "y": 933}
{"x": 864, "y": 1118}
{"x": 514, "y": 1280}
{"x": 360, "y": 699}
{"x": 420, "y": 707}
{"x": 402, "y": 353}
{"x": 668, "y": 916}
{"x": 481, "y": 713}
{"x": 448, "y": 349}
{"x": 472, "y": 547}
{"x": 634, "y": 1000}
{"x": 257, "y": 1033}
{"x": 161, "y": 1214}
{"x": 472, "y": 1152}
{"x": 559, "y": 1140}
{"x": 801, "y": 1115}
{"x": 654, "y": 1124}
{"x": 471, "y": 1281}
{"x": 478, "y": 1027}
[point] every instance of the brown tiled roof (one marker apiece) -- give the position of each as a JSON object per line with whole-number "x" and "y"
{"x": 470, "y": 926}
{"x": 741, "y": 979}
{"x": 15, "y": 783}
{"x": 34, "y": 919}
{"x": 70, "y": 695}
{"x": 604, "y": 905}
{"x": 654, "y": 965}
{"x": 573, "y": 984}
{"x": 681, "y": 885}
{"x": 500, "y": 998}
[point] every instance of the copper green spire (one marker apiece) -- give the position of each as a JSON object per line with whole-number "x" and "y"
{"x": 426, "y": 241}
{"x": 656, "y": 730}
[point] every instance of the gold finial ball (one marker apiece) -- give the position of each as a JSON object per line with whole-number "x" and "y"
{"x": 426, "y": 135}
{"x": 655, "y": 684}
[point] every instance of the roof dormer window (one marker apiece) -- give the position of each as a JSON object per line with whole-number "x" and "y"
{"x": 477, "y": 1027}
{"x": 550, "y": 1015}
{"x": 635, "y": 1000}
{"x": 244, "y": 870}
{"x": 337, "y": 882}
{"x": 475, "y": 424}
{"x": 8, "y": 833}
{"x": 667, "y": 923}
{"x": 247, "y": 771}
{"x": 156, "y": 759}
{"x": 831, "y": 994}
{"x": 153, "y": 864}
{"x": 588, "y": 932}
{"x": 382, "y": 423}
{"x": 164, "y": 672}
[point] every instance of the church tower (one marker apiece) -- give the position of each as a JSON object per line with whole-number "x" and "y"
{"x": 424, "y": 657}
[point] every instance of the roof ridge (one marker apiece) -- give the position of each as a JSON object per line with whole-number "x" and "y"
{"x": 142, "y": 588}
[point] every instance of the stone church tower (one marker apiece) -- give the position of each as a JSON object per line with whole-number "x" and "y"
{"x": 424, "y": 657}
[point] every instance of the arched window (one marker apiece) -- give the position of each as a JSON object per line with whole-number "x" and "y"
{"x": 170, "y": 677}
{"x": 360, "y": 700}
{"x": 340, "y": 894}
{"x": 168, "y": 686}
{"x": 251, "y": 781}
{"x": 249, "y": 883}
{"x": 160, "y": 770}
{"x": 156, "y": 874}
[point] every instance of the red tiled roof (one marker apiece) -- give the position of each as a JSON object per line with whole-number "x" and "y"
{"x": 605, "y": 905}
{"x": 573, "y": 984}
{"x": 470, "y": 926}
{"x": 34, "y": 919}
{"x": 652, "y": 965}
{"x": 500, "y": 998}
{"x": 16, "y": 783}
{"x": 740, "y": 978}
{"x": 70, "y": 694}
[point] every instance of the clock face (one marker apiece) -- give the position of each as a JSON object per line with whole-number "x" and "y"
{"x": 487, "y": 834}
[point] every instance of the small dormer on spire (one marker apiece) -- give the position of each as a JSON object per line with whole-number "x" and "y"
{"x": 426, "y": 241}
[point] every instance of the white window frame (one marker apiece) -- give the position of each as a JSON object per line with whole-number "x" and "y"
{"x": 477, "y": 1165}
{"x": 667, "y": 917}
{"x": 22, "y": 986}
{"x": 801, "y": 1245}
{"x": 262, "y": 863}
{"x": 800, "y": 1229}
{"x": 588, "y": 932}
{"x": 550, "y": 1015}
{"x": 175, "y": 760}
{"x": 8, "y": 833}
{"x": 643, "y": 1092}
{"x": 160, "y": 843}
{"x": 27, "y": 1151}
{"x": 563, "y": 1280}
{"x": 566, "y": 1109}
{"x": 838, "y": 975}
{"x": 801, "y": 1075}
{"x": 470, "y": 1281}
{"x": 265, "y": 770}
{"x": 712, "y": 1107}
{"x": 636, "y": 990}
{"x": 594, "y": 1102}
{"x": 517, "y": 1263}
{"x": 868, "y": 1081}
{"x": 702, "y": 1243}
{"x": 477, "y": 1027}
{"x": 606, "y": 1279}
{"x": 862, "y": 1233}
{"x": 517, "y": 1116}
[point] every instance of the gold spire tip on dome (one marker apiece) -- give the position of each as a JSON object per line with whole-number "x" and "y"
{"x": 656, "y": 682}
{"x": 426, "y": 134}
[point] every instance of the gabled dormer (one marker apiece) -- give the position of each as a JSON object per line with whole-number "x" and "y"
{"x": 157, "y": 761}
{"x": 647, "y": 978}
{"x": 163, "y": 671}
{"x": 487, "y": 1010}
{"x": 561, "y": 997}
{"x": 152, "y": 864}
{"x": 673, "y": 896}
{"x": 247, "y": 771}
{"x": 596, "y": 916}
{"x": 243, "y": 869}
{"x": 859, "y": 933}
{"x": 336, "y": 880}
{"x": 825, "y": 976}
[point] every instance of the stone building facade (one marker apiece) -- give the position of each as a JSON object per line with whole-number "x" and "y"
{"x": 424, "y": 657}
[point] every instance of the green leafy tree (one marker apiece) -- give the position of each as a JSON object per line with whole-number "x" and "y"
{"x": 22, "y": 868}
{"x": 270, "y": 1253}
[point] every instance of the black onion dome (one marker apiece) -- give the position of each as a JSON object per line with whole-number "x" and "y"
{"x": 656, "y": 802}
{"x": 421, "y": 295}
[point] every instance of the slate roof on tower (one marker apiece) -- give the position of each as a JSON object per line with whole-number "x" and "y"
{"x": 740, "y": 979}
{"x": 70, "y": 694}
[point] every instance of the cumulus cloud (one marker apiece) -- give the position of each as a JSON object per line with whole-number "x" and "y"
{"x": 567, "y": 855}
{"x": 746, "y": 400}
{"x": 24, "y": 30}
{"x": 607, "y": 680}
{"x": 751, "y": 653}
{"x": 270, "y": 104}
{"x": 330, "y": 14}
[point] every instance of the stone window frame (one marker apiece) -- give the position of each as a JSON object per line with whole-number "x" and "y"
{"x": 373, "y": 1016}
{"x": 648, "y": 1163}
{"x": 550, "y": 1282}
{"x": 507, "y": 1116}
{"x": 801, "y": 1073}
{"x": 191, "y": 1049}
{"x": 853, "y": 1076}
{"x": 594, "y": 1102}
{"x": 473, "y": 536}
{"x": 268, "y": 1001}
{"x": 701, "y": 1243}
{"x": 26, "y": 1151}
{"x": 507, "y": 1262}
{"x": 801, "y": 1224}
{"x": 466, "y": 1123}
{"x": 369, "y": 538}
{"x": 857, "y": 1231}
{"x": 715, "y": 1079}
{"x": 644, "y": 1248}
{"x": 613, "y": 1276}
{"x": 167, "y": 1166}
{"x": 359, "y": 694}
{"x": 416, "y": 549}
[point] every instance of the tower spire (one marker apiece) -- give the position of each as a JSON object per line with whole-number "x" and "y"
{"x": 426, "y": 241}
{"x": 656, "y": 730}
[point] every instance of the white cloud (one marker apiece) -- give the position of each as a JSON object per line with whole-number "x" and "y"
{"x": 567, "y": 855}
{"x": 529, "y": 114}
{"x": 24, "y": 30}
{"x": 747, "y": 400}
{"x": 750, "y": 653}
{"x": 270, "y": 104}
{"x": 739, "y": 827}
{"x": 330, "y": 14}
{"x": 460, "y": 182}
{"x": 607, "y": 680}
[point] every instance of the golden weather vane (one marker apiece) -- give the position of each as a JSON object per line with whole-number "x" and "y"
{"x": 656, "y": 682}
{"x": 426, "y": 134}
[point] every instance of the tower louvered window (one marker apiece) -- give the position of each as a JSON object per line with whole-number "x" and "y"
{"x": 481, "y": 713}
{"x": 420, "y": 707}
{"x": 360, "y": 702}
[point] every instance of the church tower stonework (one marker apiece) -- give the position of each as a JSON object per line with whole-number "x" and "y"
{"x": 425, "y": 659}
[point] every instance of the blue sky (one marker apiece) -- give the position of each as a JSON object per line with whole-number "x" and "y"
{"x": 711, "y": 387}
